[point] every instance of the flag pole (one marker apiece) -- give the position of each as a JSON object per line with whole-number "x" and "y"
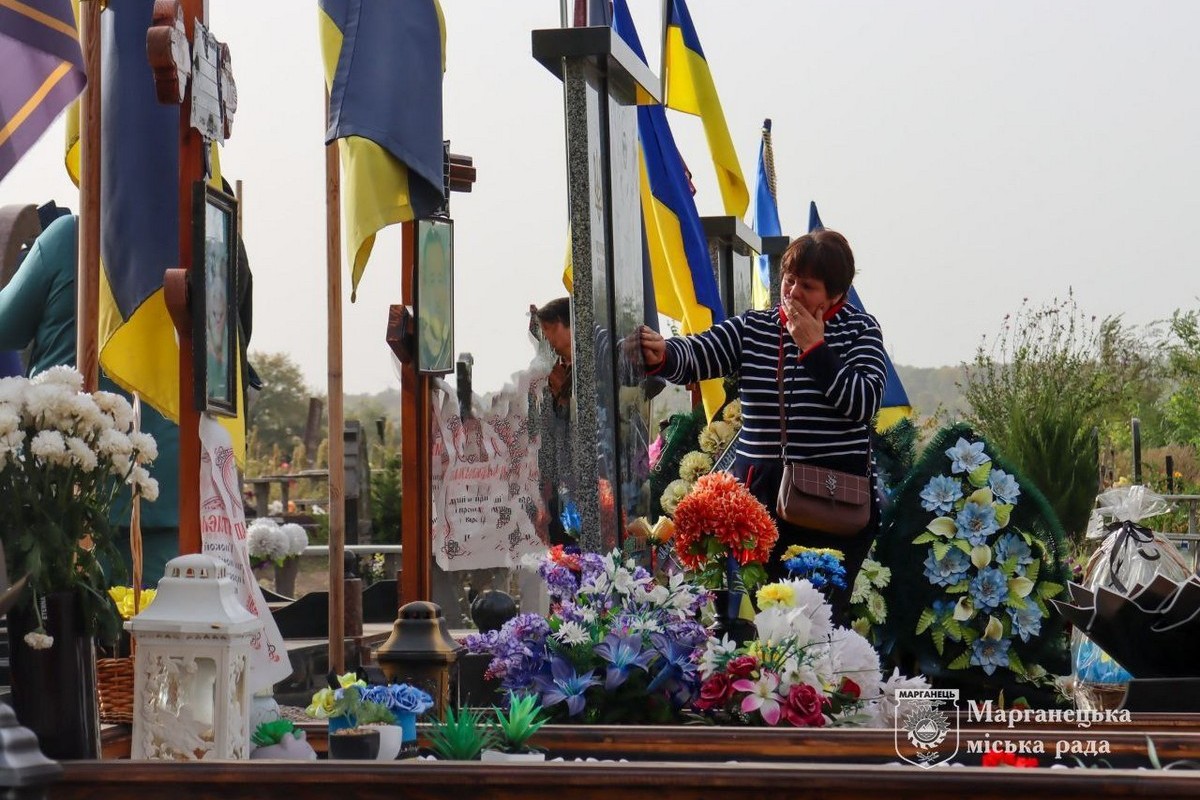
{"x": 87, "y": 276}
{"x": 337, "y": 470}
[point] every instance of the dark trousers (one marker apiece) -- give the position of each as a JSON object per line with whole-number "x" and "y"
{"x": 763, "y": 480}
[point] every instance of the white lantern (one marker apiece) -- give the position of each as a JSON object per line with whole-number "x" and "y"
{"x": 191, "y": 696}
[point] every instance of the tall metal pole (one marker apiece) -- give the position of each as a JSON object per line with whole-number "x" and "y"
{"x": 87, "y": 280}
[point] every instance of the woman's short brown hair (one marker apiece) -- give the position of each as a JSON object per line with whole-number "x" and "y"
{"x": 824, "y": 255}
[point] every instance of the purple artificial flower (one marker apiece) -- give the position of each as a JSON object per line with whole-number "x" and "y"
{"x": 564, "y": 683}
{"x": 621, "y": 653}
{"x": 678, "y": 674}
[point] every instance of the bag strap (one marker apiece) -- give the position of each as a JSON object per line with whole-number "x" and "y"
{"x": 782, "y": 409}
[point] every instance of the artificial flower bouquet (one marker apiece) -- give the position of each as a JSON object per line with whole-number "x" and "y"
{"x": 723, "y": 534}
{"x": 618, "y": 646}
{"x": 801, "y": 671}
{"x": 975, "y": 554}
{"x": 353, "y": 703}
{"x": 270, "y": 542}
{"x": 64, "y": 455}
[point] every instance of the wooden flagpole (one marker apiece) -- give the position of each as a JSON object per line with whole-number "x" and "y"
{"x": 87, "y": 280}
{"x": 337, "y": 458}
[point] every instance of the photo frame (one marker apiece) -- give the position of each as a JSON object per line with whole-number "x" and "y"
{"x": 435, "y": 295}
{"x": 214, "y": 293}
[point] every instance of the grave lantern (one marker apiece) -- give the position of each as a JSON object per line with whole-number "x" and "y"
{"x": 421, "y": 652}
{"x": 191, "y": 696}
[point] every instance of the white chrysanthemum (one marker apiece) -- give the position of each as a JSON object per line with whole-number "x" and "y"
{"x": 676, "y": 490}
{"x": 121, "y": 464}
{"x": 83, "y": 456}
{"x": 39, "y": 641}
{"x": 145, "y": 446}
{"x": 888, "y": 707}
{"x": 88, "y": 417}
{"x": 855, "y": 658}
{"x": 572, "y": 633}
{"x": 297, "y": 538}
{"x": 587, "y": 614}
{"x": 264, "y": 539}
{"x": 67, "y": 377}
{"x": 275, "y": 507}
{"x": 148, "y": 490}
{"x": 48, "y": 405}
{"x": 695, "y": 464}
{"x": 49, "y": 447}
{"x": 117, "y": 407}
{"x": 10, "y": 420}
{"x": 114, "y": 443}
{"x": 12, "y": 391}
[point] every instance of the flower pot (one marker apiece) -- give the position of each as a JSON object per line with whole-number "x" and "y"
{"x": 389, "y": 741}
{"x": 726, "y": 621}
{"x": 285, "y": 576}
{"x": 354, "y": 744}
{"x": 407, "y": 721}
{"x": 340, "y": 723}
{"x": 500, "y": 755}
{"x": 291, "y": 748}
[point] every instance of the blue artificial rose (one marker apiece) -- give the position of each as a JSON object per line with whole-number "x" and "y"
{"x": 989, "y": 654}
{"x": 965, "y": 456}
{"x": 1004, "y": 487}
{"x": 948, "y": 570}
{"x": 940, "y": 494}
{"x": 400, "y": 698}
{"x": 988, "y": 589}
{"x": 976, "y": 522}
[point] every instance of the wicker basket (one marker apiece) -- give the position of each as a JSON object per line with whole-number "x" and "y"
{"x": 114, "y": 686}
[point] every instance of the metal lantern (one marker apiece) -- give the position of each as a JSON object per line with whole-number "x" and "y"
{"x": 421, "y": 652}
{"x": 191, "y": 696}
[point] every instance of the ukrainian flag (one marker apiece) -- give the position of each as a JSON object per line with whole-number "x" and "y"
{"x": 383, "y": 68}
{"x": 42, "y": 68}
{"x": 766, "y": 217}
{"x": 690, "y": 89}
{"x": 685, "y": 287}
{"x": 894, "y": 406}
{"x": 139, "y": 214}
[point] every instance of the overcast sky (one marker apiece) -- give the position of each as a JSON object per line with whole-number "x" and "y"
{"x": 974, "y": 153}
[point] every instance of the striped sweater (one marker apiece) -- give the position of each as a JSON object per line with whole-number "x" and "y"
{"x": 832, "y": 391}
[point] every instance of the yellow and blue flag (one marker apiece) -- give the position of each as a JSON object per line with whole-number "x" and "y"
{"x": 42, "y": 68}
{"x": 383, "y": 69}
{"x": 766, "y": 217}
{"x": 689, "y": 88}
{"x": 139, "y": 213}
{"x": 685, "y": 287}
{"x": 894, "y": 406}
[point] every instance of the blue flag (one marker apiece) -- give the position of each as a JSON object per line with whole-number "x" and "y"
{"x": 766, "y": 215}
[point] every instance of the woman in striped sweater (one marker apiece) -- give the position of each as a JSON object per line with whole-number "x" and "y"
{"x": 832, "y": 359}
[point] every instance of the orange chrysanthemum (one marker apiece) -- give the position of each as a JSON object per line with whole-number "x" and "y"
{"x": 722, "y": 507}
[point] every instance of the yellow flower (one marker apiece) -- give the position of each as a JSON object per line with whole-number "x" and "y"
{"x": 797, "y": 550}
{"x": 349, "y": 679}
{"x": 322, "y": 704}
{"x": 123, "y": 597}
{"x": 694, "y": 464}
{"x": 776, "y": 594}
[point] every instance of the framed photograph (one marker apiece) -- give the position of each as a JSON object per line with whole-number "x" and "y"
{"x": 214, "y": 294}
{"x": 435, "y": 295}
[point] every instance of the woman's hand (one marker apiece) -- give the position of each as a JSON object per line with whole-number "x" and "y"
{"x": 807, "y": 328}
{"x": 654, "y": 347}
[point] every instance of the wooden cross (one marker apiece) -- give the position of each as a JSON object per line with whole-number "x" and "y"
{"x": 191, "y": 70}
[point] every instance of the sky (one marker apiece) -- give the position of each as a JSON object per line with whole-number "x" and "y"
{"x": 975, "y": 154}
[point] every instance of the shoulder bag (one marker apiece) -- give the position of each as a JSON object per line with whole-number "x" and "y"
{"x": 818, "y": 498}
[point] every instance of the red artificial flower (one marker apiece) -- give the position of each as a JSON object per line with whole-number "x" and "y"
{"x": 994, "y": 759}
{"x": 569, "y": 560}
{"x": 804, "y": 707}
{"x": 848, "y": 688}
{"x": 742, "y": 667}
{"x": 721, "y": 506}
{"x": 715, "y": 692}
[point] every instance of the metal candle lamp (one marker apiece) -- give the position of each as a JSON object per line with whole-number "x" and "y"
{"x": 421, "y": 652}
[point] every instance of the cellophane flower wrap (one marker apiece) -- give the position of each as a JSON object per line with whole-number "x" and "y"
{"x": 719, "y": 521}
{"x": 64, "y": 455}
{"x": 800, "y": 671}
{"x": 617, "y": 647}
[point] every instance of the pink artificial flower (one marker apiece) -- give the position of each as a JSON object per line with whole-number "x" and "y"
{"x": 761, "y": 696}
